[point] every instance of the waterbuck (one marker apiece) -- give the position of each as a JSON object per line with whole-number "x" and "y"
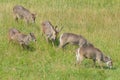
{"x": 66, "y": 38}
{"x": 93, "y": 53}
{"x": 21, "y": 38}
{"x": 50, "y": 31}
{"x": 23, "y": 13}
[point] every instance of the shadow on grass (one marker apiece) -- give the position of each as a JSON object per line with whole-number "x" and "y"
{"x": 56, "y": 43}
{"x": 94, "y": 67}
{"x": 113, "y": 68}
{"x": 25, "y": 48}
{"x": 105, "y": 68}
{"x": 30, "y": 48}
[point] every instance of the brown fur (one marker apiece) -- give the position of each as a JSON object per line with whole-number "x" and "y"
{"x": 12, "y": 33}
{"x": 50, "y": 31}
{"x": 72, "y": 38}
{"x": 22, "y": 39}
{"x": 23, "y": 13}
{"x": 93, "y": 53}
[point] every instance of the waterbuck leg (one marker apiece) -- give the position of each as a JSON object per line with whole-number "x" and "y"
{"x": 9, "y": 40}
{"x": 16, "y": 18}
{"x": 61, "y": 45}
{"x": 94, "y": 61}
{"x": 41, "y": 33}
{"x": 100, "y": 63}
{"x": 47, "y": 39}
{"x": 53, "y": 44}
{"x": 79, "y": 61}
{"x": 23, "y": 46}
{"x": 27, "y": 46}
{"x": 79, "y": 57}
{"x": 26, "y": 20}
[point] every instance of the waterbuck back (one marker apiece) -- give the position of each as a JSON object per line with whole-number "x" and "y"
{"x": 72, "y": 38}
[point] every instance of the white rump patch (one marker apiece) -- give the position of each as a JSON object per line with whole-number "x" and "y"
{"x": 61, "y": 38}
{"x": 78, "y": 54}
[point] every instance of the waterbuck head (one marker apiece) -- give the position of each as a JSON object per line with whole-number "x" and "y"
{"x": 32, "y": 37}
{"x": 55, "y": 33}
{"x": 108, "y": 61}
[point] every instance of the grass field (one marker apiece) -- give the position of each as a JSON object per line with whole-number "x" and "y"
{"x": 97, "y": 20}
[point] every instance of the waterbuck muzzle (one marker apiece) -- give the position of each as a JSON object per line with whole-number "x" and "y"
{"x": 108, "y": 62}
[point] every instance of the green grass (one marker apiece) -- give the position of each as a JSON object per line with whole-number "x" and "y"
{"x": 97, "y": 20}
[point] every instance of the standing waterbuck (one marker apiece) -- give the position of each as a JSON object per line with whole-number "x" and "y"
{"x": 50, "y": 31}
{"x": 93, "y": 53}
{"x": 23, "y": 13}
{"x": 66, "y": 38}
{"x": 22, "y": 39}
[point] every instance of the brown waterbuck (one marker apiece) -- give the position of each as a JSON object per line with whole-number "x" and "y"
{"x": 23, "y": 13}
{"x": 50, "y": 32}
{"x": 22, "y": 39}
{"x": 71, "y": 38}
{"x": 93, "y": 53}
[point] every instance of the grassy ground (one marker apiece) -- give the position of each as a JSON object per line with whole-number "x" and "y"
{"x": 97, "y": 20}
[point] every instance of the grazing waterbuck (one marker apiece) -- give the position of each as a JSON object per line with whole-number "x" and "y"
{"x": 21, "y": 38}
{"x": 22, "y": 13}
{"x": 50, "y": 31}
{"x": 72, "y": 38}
{"x": 93, "y": 53}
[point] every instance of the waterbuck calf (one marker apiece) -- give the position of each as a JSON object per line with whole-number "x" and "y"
{"x": 50, "y": 31}
{"x": 21, "y": 38}
{"x": 23, "y": 13}
{"x": 66, "y": 38}
{"x": 93, "y": 53}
